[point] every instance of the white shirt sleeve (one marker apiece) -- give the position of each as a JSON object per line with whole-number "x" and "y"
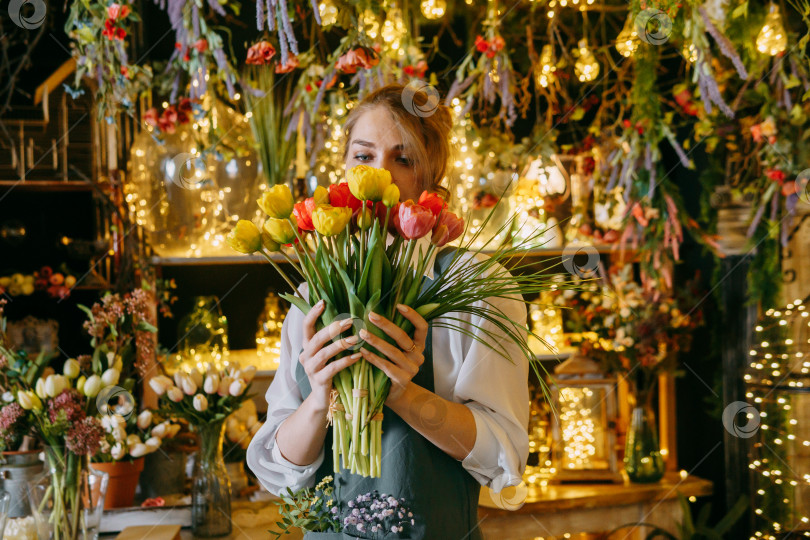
{"x": 494, "y": 388}
{"x": 283, "y": 397}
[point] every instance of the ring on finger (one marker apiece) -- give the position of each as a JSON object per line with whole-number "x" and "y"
{"x": 413, "y": 347}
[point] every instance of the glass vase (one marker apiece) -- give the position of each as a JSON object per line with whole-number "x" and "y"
{"x": 642, "y": 455}
{"x": 211, "y": 486}
{"x": 68, "y": 500}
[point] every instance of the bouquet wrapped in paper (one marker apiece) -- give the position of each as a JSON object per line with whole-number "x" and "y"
{"x": 355, "y": 245}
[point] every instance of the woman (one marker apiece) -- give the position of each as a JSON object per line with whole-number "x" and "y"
{"x": 457, "y": 413}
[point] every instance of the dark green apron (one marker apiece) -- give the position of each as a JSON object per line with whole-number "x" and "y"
{"x": 441, "y": 493}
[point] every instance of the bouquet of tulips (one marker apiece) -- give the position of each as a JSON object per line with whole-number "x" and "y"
{"x": 362, "y": 258}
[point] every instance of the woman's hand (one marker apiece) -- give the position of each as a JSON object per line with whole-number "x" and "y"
{"x": 401, "y": 363}
{"x": 316, "y": 354}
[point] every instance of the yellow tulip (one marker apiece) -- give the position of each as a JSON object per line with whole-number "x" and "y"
{"x": 269, "y": 244}
{"x": 330, "y": 220}
{"x": 391, "y": 196}
{"x": 321, "y": 195}
{"x": 368, "y": 183}
{"x": 277, "y": 202}
{"x": 245, "y": 237}
{"x": 365, "y": 218}
{"x": 279, "y": 230}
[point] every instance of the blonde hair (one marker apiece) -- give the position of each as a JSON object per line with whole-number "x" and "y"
{"x": 425, "y": 131}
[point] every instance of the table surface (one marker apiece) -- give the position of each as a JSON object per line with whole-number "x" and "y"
{"x": 252, "y": 520}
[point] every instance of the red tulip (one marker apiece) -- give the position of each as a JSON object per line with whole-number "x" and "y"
{"x": 201, "y": 45}
{"x": 433, "y": 202}
{"x": 260, "y": 53}
{"x": 303, "y": 214}
{"x": 448, "y": 227}
{"x": 340, "y": 195}
{"x": 291, "y": 64}
{"x": 413, "y": 220}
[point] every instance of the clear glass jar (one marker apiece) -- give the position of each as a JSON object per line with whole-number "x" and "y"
{"x": 642, "y": 455}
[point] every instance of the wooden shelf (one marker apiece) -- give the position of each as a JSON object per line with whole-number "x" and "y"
{"x": 45, "y": 185}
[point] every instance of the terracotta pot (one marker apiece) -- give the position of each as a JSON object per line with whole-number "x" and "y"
{"x": 123, "y": 481}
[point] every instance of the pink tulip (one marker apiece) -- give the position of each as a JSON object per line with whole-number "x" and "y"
{"x": 413, "y": 220}
{"x": 448, "y": 228}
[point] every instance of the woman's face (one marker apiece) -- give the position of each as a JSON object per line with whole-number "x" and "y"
{"x": 375, "y": 141}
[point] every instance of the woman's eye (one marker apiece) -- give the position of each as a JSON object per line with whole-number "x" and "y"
{"x": 362, "y": 157}
{"x": 404, "y": 160}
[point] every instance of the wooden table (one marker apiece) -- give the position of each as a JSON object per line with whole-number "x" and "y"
{"x": 548, "y": 511}
{"x": 555, "y": 510}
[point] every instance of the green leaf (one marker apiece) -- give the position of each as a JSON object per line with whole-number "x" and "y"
{"x": 740, "y": 11}
{"x": 297, "y": 302}
{"x": 425, "y": 310}
{"x": 145, "y": 326}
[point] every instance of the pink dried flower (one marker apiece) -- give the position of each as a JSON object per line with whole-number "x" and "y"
{"x": 84, "y": 437}
{"x": 10, "y": 415}
{"x": 69, "y": 401}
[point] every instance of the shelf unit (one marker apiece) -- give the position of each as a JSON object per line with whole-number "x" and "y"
{"x": 45, "y": 185}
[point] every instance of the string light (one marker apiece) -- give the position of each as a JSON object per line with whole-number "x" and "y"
{"x": 772, "y": 39}
{"x": 586, "y": 66}
{"x": 433, "y": 9}
{"x": 627, "y": 40}
{"x": 393, "y": 28}
{"x": 370, "y": 23}
{"x": 780, "y": 437}
{"x": 544, "y": 72}
{"x": 578, "y": 428}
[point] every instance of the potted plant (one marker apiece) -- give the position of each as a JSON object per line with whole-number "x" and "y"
{"x": 126, "y": 441}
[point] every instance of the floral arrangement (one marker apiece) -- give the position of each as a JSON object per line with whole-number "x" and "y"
{"x": 635, "y": 333}
{"x": 369, "y": 515}
{"x": 99, "y": 31}
{"x": 202, "y": 398}
{"x": 120, "y": 328}
{"x": 56, "y": 284}
{"x": 353, "y": 270}
{"x": 132, "y": 437}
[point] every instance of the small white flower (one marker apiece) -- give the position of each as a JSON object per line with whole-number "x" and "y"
{"x": 8, "y": 397}
{"x": 237, "y": 388}
{"x": 211, "y": 384}
{"x": 175, "y": 394}
{"x": 138, "y": 450}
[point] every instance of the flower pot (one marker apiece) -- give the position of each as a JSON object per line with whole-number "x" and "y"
{"x": 163, "y": 474}
{"x": 16, "y": 471}
{"x": 123, "y": 481}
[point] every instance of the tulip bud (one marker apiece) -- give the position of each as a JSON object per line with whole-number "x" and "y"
{"x": 92, "y": 386}
{"x": 80, "y": 383}
{"x": 119, "y": 433}
{"x": 29, "y": 400}
{"x": 224, "y": 386}
{"x": 211, "y": 384}
{"x": 8, "y": 397}
{"x": 200, "y": 403}
{"x": 132, "y": 439}
{"x": 237, "y": 388}
{"x": 391, "y": 196}
{"x": 160, "y": 384}
{"x": 196, "y": 376}
{"x": 144, "y": 419}
{"x": 365, "y": 218}
{"x": 188, "y": 386}
{"x": 118, "y": 364}
{"x": 248, "y": 373}
{"x": 178, "y": 378}
{"x": 110, "y": 377}
{"x": 71, "y": 368}
{"x": 47, "y": 371}
{"x": 277, "y": 202}
{"x": 173, "y": 430}
{"x": 54, "y": 385}
{"x": 175, "y": 394}
{"x": 117, "y": 451}
{"x": 153, "y": 443}
{"x": 138, "y": 450}
{"x": 40, "y": 388}
{"x": 160, "y": 430}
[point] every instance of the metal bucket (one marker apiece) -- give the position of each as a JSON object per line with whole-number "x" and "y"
{"x": 16, "y": 470}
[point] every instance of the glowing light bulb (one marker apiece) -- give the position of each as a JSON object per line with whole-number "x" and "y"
{"x": 544, "y": 71}
{"x": 772, "y": 39}
{"x": 393, "y": 28}
{"x": 586, "y": 67}
{"x": 370, "y": 24}
{"x": 433, "y": 9}
{"x": 627, "y": 40}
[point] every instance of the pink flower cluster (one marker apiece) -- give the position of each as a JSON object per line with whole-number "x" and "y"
{"x": 70, "y": 402}
{"x": 84, "y": 437}
{"x": 10, "y": 415}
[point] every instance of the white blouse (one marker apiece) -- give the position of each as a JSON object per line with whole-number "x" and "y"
{"x": 465, "y": 371}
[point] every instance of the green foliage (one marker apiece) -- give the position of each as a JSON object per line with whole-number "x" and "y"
{"x": 308, "y": 509}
